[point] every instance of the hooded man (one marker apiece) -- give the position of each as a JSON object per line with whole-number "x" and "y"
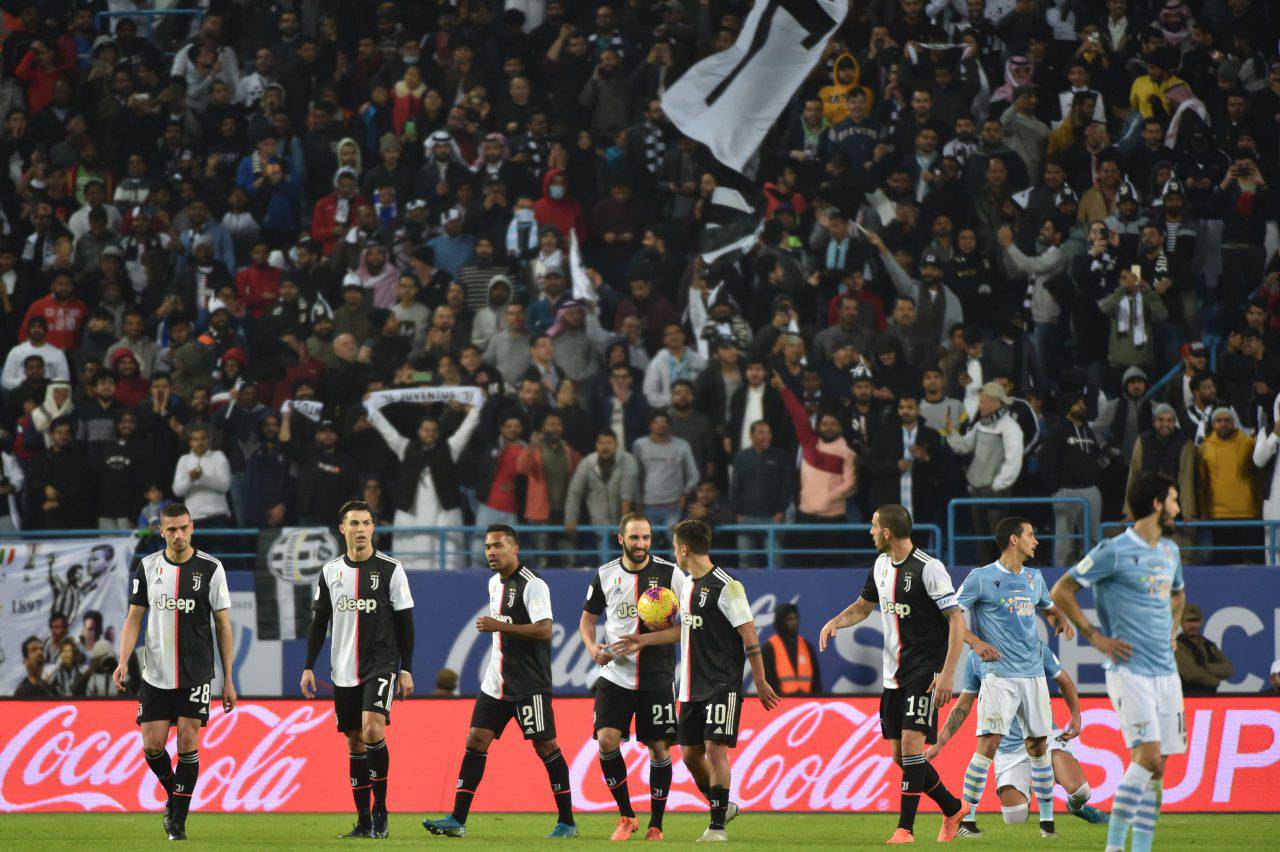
{"x": 491, "y": 319}
{"x": 1227, "y": 486}
{"x": 789, "y": 659}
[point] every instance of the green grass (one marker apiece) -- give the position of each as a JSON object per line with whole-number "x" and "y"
{"x": 509, "y": 831}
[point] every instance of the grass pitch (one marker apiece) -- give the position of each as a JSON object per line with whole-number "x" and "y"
{"x": 510, "y": 831}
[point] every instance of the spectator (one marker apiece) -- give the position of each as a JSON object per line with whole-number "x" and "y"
{"x": 1228, "y": 488}
{"x": 1168, "y": 450}
{"x": 119, "y": 471}
{"x": 606, "y": 482}
{"x": 674, "y": 362}
{"x": 548, "y": 464}
{"x": 326, "y": 476}
{"x": 1202, "y": 666}
{"x": 620, "y": 409}
{"x": 497, "y": 477}
{"x": 58, "y": 481}
{"x": 446, "y": 684}
{"x": 760, "y": 485}
{"x": 202, "y": 481}
{"x": 1134, "y": 308}
{"x": 668, "y": 473}
{"x": 827, "y": 470}
{"x": 269, "y": 485}
{"x": 789, "y": 659}
{"x": 755, "y": 400}
{"x": 904, "y": 465}
{"x": 995, "y": 441}
{"x": 695, "y": 427}
{"x": 1046, "y": 309}
{"x": 33, "y": 685}
{"x": 1069, "y": 463}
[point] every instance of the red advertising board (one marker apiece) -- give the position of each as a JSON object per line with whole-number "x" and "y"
{"x": 809, "y": 755}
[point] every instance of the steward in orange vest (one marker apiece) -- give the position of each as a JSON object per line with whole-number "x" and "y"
{"x": 789, "y": 660}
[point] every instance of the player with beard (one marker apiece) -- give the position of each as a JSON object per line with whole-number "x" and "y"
{"x": 638, "y": 686}
{"x": 923, "y": 633}
{"x": 1139, "y": 593}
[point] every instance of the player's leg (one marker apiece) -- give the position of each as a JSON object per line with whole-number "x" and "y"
{"x": 690, "y": 740}
{"x": 561, "y": 791}
{"x": 717, "y": 757}
{"x": 659, "y": 786}
{"x": 1134, "y": 698}
{"x": 1068, "y": 773}
{"x": 614, "y": 708}
{"x": 655, "y": 713}
{"x": 997, "y": 703}
{"x": 358, "y": 765}
{"x": 488, "y": 718}
{"x": 1036, "y": 718}
{"x": 154, "y": 736}
{"x": 378, "y": 762}
{"x": 1041, "y": 780}
{"x": 1171, "y": 734}
{"x": 1014, "y": 805}
{"x": 186, "y": 773}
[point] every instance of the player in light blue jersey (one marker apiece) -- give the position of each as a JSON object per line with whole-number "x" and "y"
{"x": 1003, "y": 598}
{"x": 1137, "y": 586}
{"x": 1013, "y": 764}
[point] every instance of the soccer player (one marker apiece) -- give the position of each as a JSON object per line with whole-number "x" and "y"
{"x": 1003, "y": 598}
{"x": 182, "y": 588}
{"x": 1138, "y": 590}
{"x": 1013, "y": 764}
{"x": 516, "y": 685}
{"x": 639, "y": 686}
{"x": 366, "y": 595}
{"x": 717, "y": 635}
{"x": 923, "y": 635}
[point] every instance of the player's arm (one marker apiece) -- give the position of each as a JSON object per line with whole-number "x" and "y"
{"x": 1052, "y": 615}
{"x": 587, "y": 630}
{"x": 1064, "y": 597}
{"x": 853, "y": 614}
{"x": 633, "y": 642}
{"x": 955, "y": 721}
{"x": 986, "y": 653}
{"x": 226, "y": 651}
{"x": 321, "y": 611}
{"x": 1072, "y": 698}
{"x": 403, "y": 624}
{"x": 538, "y": 631}
{"x": 751, "y": 642}
{"x": 1177, "y": 601}
{"x": 128, "y": 641}
{"x": 941, "y": 688}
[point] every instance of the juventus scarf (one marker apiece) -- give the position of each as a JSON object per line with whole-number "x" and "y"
{"x": 472, "y": 396}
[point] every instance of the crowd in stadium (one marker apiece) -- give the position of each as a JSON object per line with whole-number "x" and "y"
{"x": 989, "y": 229}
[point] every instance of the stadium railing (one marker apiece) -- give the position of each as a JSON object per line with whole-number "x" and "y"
{"x": 150, "y": 18}
{"x": 1199, "y": 548}
{"x": 954, "y": 536}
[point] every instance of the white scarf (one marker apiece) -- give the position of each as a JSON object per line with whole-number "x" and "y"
{"x": 472, "y": 396}
{"x": 308, "y": 408}
{"x": 1131, "y": 320}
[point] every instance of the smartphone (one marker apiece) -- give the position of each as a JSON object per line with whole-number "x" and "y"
{"x": 1136, "y": 271}
{"x": 421, "y": 376}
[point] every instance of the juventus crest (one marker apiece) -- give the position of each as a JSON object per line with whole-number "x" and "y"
{"x": 373, "y": 581}
{"x": 906, "y": 582}
{"x": 196, "y": 580}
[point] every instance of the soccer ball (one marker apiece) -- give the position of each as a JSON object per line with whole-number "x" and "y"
{"x": 658, "y": 608}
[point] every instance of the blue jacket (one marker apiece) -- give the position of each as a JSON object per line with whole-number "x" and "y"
{"x": 268, "y": 482}
{"x": 277, "y": 203}
{"x": 760, "y": 484}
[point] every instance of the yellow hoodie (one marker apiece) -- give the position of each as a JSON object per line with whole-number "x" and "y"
{"x": 835, "y": 98}
{"x": 1228, "y": 480}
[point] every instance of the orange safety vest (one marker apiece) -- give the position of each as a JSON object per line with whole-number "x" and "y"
{"x": 792, "y": 679}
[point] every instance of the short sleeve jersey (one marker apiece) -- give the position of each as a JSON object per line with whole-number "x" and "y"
{"x": 361, "y": 598}
{"x": 912, "y": 595}
{"x": 712, "y": 655}
{"x": 974, "y": 669}
{"x": 180, "y": 600}
{"x": 1132, "y": 582}
{"x": 1004, "y": 607}
{"x": 518, "y": 667}
{"x": 614, "y": 593}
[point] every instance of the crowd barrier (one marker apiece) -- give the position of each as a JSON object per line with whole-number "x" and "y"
{"x": 809, "y": 755}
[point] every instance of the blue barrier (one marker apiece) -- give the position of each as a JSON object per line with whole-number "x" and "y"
{"x": 1087, "y": 525}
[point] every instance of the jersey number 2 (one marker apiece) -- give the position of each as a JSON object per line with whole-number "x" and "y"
{"x": 527, "y": 717}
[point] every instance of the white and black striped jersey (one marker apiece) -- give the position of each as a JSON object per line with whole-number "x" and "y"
{"x": 912, "y": 595}
{"x": 181, "y": 601}
{"x": 361, "y": 598}
{"x": 712, "y": 655}
{"x": 518, "y": 667}
{"x": 614, "y": 592}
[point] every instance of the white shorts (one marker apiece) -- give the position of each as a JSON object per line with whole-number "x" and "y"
{"x": 1001, "y": 699}
{"x": 1013, "y": 768}
{"x": 1150, "y": 709}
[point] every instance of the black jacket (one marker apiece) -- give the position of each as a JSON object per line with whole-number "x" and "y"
{"x": 119, "y": 473}
{"x": 775, "y": 414}
{"x": 1070, "y": 457}
{"x": 884, "y": 480}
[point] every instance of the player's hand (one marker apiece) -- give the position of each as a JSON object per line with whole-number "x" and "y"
{"x": 1063, "y": 628}
{"x": 625, "y": 646}
{"x": 985, "y": 652}
{"x": 120, "y": 675}
{"x": 828, "y": 634}
{"x": 1072, "y": 730}
{"x": 308, "y": 683}
{"x": 485, "y": 624}
{"x": 941, "y": 689}
{"x": 229, "y": 697}
{"x": 406, "y": 685}
{"x": 1117, "y": 649}
{"x": 599, "y": 654}
{"x": 768, "y": 698}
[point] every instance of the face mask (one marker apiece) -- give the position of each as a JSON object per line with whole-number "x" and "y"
{"x": 409, "y": 60}
{"x": 556, "y": 192}
{"x": 525, "y": 214}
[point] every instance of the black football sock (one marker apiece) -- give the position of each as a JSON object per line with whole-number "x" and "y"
{"x": 912, "y": 780}
{"x": 719, "y": 801}
{"x": 184, "y": 784}
{"x": 161, "y": 764}
{"x": 705, "y": 790}
{"x": 468, "y": 780}
{"x": 379, "y": 762}
{"x": 360, "y": 784}
{"x": 558, "y": 773}
{"x": 659, "y": 786}
{"x": 936, "y": 790}
{"x": 615, "y": 778}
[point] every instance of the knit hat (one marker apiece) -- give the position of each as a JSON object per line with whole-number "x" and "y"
{"x": 1134, "y": 373}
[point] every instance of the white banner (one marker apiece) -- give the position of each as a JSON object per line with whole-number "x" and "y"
{"x": 582, "y": 289}
{"x": 472, "y": 396}
{"x": 71, "y": 576}
{"x": 729, "y": 101}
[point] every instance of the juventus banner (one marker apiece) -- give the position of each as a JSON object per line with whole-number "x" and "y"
{"x": 729, "y": 101}
{"x": 289, "y": 561}
{"x": 84, "y": 580}
{"x": 734, "y": 219}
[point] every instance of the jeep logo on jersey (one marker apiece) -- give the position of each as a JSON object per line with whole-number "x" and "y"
{"x": 346, "y": 604}
{"x": 694, "y": 621}
{"x": 180, "y": 604}
{"x": 626, "y": 610}
{"x": 901, "y": 610}
{"x": 298, "y": 554}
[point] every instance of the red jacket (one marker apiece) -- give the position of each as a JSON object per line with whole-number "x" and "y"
{"x": 502, "y": 494}
{"x": 65, "y": 320}
{"x": 258, "y": 288}
{"x": 39, "y": 81}
{"x": 564, "y": 214}
{"x": 324, "y": 225}
{"x": 537, "y": 505}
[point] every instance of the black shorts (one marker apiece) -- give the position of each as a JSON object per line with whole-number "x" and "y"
{"x": 654, "y": 711}
{"x": 168, "y": 705}
{"x": 713, "y": 720}
{"x": 909, "y": 708}
{"x": 532, "y": 714}
{"x": 373, "y": 695}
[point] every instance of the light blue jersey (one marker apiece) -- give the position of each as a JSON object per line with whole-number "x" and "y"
{"x": 975, "y": 668}
{"x": 1132, "y": 582}
{"x": 1004, "y": 608}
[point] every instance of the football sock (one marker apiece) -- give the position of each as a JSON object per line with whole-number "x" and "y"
{"x": 909, "y": 800}
{"x": 379, "y": 757}
{"x": 934, "y": 788}
{"x": 705, "y": 790}
{"x": 719, "y": 801}
{"x": 360, "y": 783}
{"x": 1124, "y": 806}
{"x": 184, "y": 784}
{"x": 1144, "y": 820}
{"x": 161, "y": 764}
{"x": 615, "y": 778}
{"x": 975, "y": 778}
{"x": 558, "y": 773}
{"x": 1042, "y": 785}
{"x": 659, "y": 786}
{"x": 973, "y": 813}
{"x": 468, "y": 780}
{"x": 1080, "y": 797}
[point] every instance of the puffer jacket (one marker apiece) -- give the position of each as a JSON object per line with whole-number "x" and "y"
{"x": 1227, "y": 479}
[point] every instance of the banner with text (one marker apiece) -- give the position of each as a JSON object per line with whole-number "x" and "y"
{"x": 808, "y": 755}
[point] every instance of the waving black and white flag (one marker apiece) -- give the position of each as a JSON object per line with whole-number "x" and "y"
{"x": 732, "y": 220}
{"x": 729, "y": 101}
